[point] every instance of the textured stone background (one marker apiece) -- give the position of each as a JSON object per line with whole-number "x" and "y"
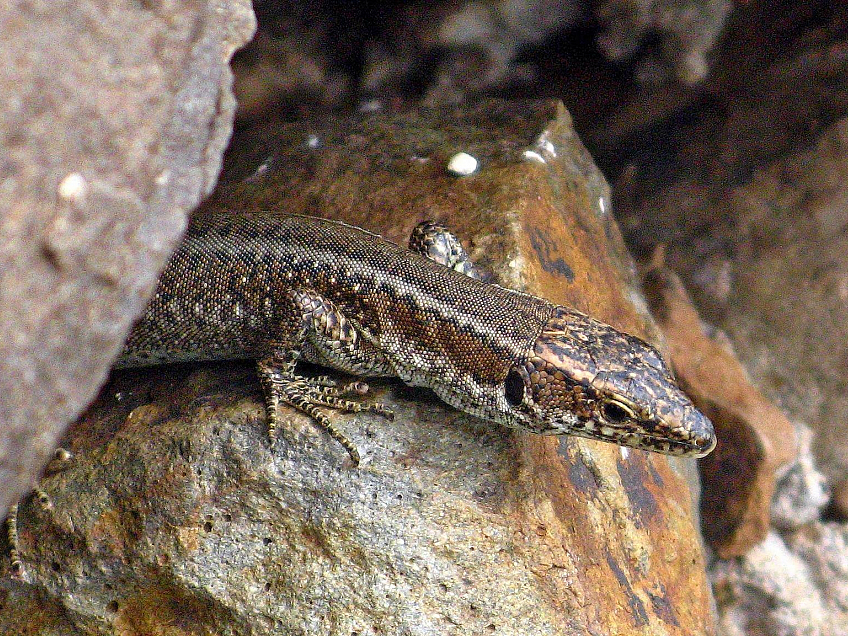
{"x": 114, "y": 121}
{"x": 718, "y": 124}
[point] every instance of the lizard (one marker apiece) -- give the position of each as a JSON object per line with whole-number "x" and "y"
{"x": 280, "y": 288}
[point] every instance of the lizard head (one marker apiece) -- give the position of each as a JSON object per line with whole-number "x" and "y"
{"x": 582, "y": 377}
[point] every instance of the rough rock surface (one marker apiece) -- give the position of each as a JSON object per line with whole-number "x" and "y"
{"x": 756, "y": 442}
{"x": 776, "y": 284}
{"x": 790, "y": 289}
{"x": 793, "y": 582}
{"x": 113, "y": 122}
{"x": 687, "y": 31}
{"x": 177, "y": 513}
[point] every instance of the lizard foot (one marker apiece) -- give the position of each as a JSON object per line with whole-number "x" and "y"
{"x": 307, "y": 394}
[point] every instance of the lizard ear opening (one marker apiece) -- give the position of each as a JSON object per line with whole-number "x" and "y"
{"x": 514, "y": 388}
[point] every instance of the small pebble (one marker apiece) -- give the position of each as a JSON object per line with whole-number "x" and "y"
{"x": 462, "y": 164}
{"x": 73, "y": 186}
{"x": 532, "y": 155}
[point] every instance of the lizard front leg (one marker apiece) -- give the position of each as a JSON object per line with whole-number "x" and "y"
{"x": 333, "y": 340}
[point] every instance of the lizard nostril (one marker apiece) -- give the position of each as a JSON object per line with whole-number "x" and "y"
{"x": 706, "y": 443}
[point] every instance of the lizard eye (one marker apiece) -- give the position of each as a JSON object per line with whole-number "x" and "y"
{"x": 615, "y": 412}
{"x": 514, "y": 388}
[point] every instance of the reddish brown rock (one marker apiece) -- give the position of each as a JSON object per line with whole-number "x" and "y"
{"x": 177, "y": 511}
{"x": 840, "y": 499}
{"x": 754, "y": 437}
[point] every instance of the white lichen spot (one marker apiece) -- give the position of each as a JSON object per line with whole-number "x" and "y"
{"x": 541, "y": 151}
{"x": 532, "y": 155}
{"x": 625, "y": 452}
{"x": 371, "y": 106}
{"x": 602, "y": 204}
{"x": 517, "y": 263}
{"x": 313, "y": 142}
{"x": 462, "y": 164}
{"x": 546, "y": 146}
{"x": 262, "y": 168}
{"x": 73, "y": 187}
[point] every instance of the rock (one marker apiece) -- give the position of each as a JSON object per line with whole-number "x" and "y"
{"x": 771, "y": 590}
{"x": 790, "y": 289}
{"x": 755, "y": 440}
{"x": 801, "y": 492}
{"x": 114, "y": 123}
{"x": 688, "y": 31}
{"x": 178, "y": 512}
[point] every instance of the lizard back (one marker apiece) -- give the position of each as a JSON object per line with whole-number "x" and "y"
{"x": 222, "y": 296}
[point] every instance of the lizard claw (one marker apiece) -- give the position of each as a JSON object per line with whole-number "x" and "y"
{"x": 382, "y": 409}
{"x": 360, "y": 387}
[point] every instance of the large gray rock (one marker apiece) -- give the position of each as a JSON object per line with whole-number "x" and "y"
{"x": 113, "y": 122}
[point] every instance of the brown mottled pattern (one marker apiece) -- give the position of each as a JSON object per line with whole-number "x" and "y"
{"x": 236, "y": 288}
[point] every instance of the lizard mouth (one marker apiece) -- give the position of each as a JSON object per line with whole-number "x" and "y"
{"x": 698, "y": 444}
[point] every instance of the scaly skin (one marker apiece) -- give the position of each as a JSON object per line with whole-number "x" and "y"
{"x": 279, "y": 288}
